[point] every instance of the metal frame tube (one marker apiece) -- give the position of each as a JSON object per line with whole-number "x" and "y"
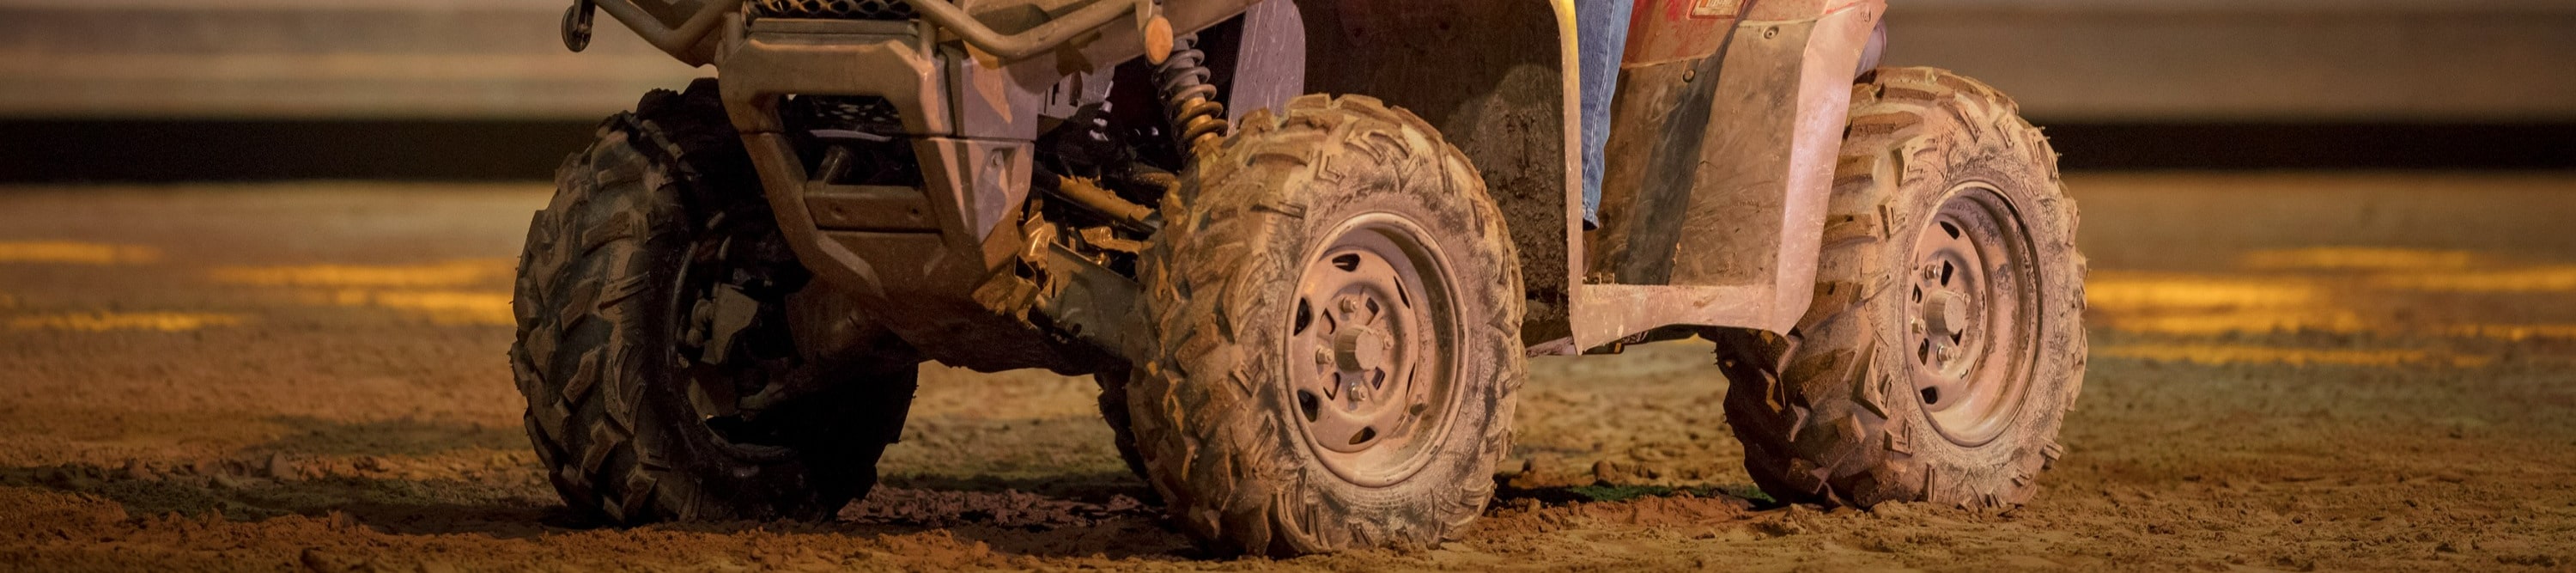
{"x": 1028, "y": 42}
{"x": 676, "y": 40}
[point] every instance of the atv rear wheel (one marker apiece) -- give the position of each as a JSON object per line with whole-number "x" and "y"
{"x": 1338, "y": 308}
{"x": 661, "y": 376}
{"x": 1946, "y": 340}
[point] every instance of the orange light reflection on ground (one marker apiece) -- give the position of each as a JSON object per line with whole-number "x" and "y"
{"x": 427, "y": 290}
{"x": 76, "y": 253}
{"x": 2247, "y": 354}
{"x": 438, "y": 274}
{"x": 106, "y": 321}
{"x": 2361, "y": 259}
{"x": 448, "y": 307}
{"x": 2337, "y": 290}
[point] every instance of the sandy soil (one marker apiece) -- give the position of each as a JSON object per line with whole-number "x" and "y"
{"x": 2290, "y": 372}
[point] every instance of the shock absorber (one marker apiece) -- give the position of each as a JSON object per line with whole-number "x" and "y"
{"x": 1197, "y": 119}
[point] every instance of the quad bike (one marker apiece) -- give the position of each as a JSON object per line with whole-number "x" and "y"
{"x": 1305, "y": 247}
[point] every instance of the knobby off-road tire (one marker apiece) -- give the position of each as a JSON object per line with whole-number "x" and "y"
{"x": 1949, "y": 249}
{"x": 1122, "y": 428}
{"x": 600, "y": 307}
{"x": 1331, "y": 190}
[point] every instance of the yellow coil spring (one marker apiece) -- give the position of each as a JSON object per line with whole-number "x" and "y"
{"x": 1197, "y": 119}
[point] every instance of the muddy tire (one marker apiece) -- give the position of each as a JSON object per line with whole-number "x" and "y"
{"x": 634, "y": 419}
{"x": 1946, "y": 340}
{"x": 1338, "y": 310}
{"x": 1122, "y": 428}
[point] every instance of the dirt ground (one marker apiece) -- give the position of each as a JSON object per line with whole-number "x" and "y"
{"x": 2289, "y": 372}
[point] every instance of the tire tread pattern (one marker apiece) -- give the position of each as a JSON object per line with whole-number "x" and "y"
{"x": 588, "y": 290}
{"x": 1229, "y": 472}
{"x": 1820, "y": 418}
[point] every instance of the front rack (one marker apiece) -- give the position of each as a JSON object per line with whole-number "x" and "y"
{"x": 666, "y": 25}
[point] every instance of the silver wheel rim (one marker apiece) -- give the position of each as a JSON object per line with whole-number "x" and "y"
{"x": 1972, "y": 311}
{"x": 1371, "y": 350}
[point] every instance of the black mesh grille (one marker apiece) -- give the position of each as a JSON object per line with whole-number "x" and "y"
{"x": 840, "y": 9}
{"x": 869, "y": 114}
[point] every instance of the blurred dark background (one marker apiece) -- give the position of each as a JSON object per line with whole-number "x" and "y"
{"x": 165, "y": 90}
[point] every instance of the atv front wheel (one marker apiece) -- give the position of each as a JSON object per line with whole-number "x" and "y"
{"x": 1338, "y": 308}
{"x": 1946, "y": 340}
{"x": 660, "y": 372}
{"x": 1122, "y": 431}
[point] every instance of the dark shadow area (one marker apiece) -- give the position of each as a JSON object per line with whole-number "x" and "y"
{"x": 1091, "y": 487}
{"x": 389, "y": 505}
{"x": 411, "y": 477}
{"x": 406, "y": 480}
{"x": 1505, "y": 493}
{"x": 168, "y": 150}
{"x": 312, "y": 436}
{"x": 365, "y": 471}
{"x": 1053, "y": 516}
{"x": 2301, "y": 146}
{"x": 403, "y": 477}
{"x": 1007, "y": 520}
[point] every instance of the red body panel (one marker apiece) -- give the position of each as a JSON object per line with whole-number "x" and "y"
{"x": 1667, "y": 30}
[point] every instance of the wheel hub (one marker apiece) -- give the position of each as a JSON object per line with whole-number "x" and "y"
{"x": 728, "y": 346}
{"x": 1947, "y": 314}
{"x": 1363, "y": 349}
{"x": 1969, "y": 308}
{"x": 1369, "y": 309}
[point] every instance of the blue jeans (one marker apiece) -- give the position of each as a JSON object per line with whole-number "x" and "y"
{"x": 1601, "y": 28}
